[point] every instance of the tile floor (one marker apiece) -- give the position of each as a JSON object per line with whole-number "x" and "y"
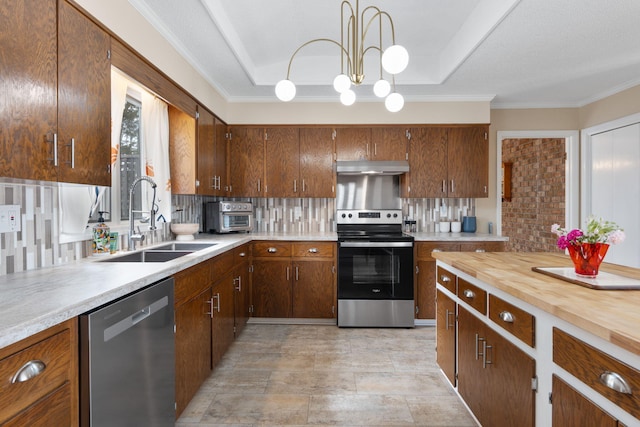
{"x": 302, "y": 375}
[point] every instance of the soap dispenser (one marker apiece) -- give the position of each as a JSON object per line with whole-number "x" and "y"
{"x": 101, "y": 234}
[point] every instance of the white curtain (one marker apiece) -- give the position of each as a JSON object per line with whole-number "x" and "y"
{"x": 119, "y": 84}
{"x": 155, "y": 141}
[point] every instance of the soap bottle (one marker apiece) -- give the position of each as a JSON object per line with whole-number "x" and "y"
{"x": 101, "y": 234}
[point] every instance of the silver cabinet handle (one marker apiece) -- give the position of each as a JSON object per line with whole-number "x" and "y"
{"x": 485, "y": 361}
{"x": 210, "y": 312}
{"x": 453, "y": 187}
{"x": 444, "y": 186}
{"x": 29, "y": 370}
{"x": 54, "y": 140}
{"x": 480, "y": 250}
{"x": 242, "y": 254}
{"x": 217, "y": 298}
{"x": 287, "y": 273}
{"x": 615, "y": 382}
{"x": 272, "y": 250}
{"x": 258, "y": 185}
{"x": 297, "y": 273}
{"x": 437, "y": 250}
{"x": 507, "y": 317}
{"x": 313, "y": 250}
{"x": 444, "y": 278}
{"x": 446, "y": 322}
{"x": 295, "y": 185}
{"x": 73, "y": 153}
{"x": 468, "y": 293}
{"x": 239, "y": 281}
{"x": 479, "y": 339}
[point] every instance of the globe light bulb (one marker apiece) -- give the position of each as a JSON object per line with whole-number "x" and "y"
{"x": 285, "y": 90}
{"x": 348, "y": 97}
{"x": 395, "y": 59}
{"x": 381, "y": 88}
{"x": 341, "y": 83}
{"x": 394, "y": 102}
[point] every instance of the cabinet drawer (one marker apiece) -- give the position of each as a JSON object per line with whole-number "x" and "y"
{"x": 513, "y": 319}
{"x": 482, "y": 247}
{"x": 313, "y": 249}
{"x": 472, "y": 295}
{"x": 241, "y": 254}
{"x": 446, "y": 279}
{"x": 190, "y": 282}
{"x": 272, "y": 249}
{"x": 55, "y": 353}
{"x": 588, "y": 364}
{"x": 424, "y": 249}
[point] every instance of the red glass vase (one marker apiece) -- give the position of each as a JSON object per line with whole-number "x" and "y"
{"x": 587, "y": 257}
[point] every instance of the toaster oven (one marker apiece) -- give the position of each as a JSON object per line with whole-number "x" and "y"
{"x": 227, "y": 217}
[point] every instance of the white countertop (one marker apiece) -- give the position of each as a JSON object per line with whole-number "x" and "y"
{"x": 35, "y": 300}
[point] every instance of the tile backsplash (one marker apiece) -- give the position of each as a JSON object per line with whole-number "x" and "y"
{"x": 38, "y": 245}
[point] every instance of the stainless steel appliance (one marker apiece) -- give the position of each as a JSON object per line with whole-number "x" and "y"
{"x": 227, "y": 217}
{"x": 375, "y": 258}
{"x": 127, "y": 361}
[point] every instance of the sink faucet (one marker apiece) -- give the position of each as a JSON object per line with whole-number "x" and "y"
{"x": 139, "y": 237}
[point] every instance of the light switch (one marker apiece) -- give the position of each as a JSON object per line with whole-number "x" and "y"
{"x": 9, "y": 218}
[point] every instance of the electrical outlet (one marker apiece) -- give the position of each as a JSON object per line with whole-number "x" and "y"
{"x": 9, "y": 218}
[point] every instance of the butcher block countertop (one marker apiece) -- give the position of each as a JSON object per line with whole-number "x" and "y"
{"x": 613, "y": 315}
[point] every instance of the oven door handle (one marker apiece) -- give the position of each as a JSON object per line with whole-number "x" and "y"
{"x": 349, "y": 244}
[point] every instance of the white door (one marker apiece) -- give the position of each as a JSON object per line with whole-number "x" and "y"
{"x": 614, "y": 184}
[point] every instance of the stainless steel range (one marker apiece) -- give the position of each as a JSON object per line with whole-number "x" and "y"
{"x": 375, "y": 258}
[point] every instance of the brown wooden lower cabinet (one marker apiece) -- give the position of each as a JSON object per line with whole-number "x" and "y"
{"x": 51, "y": 397}
{"x": 293, "y": 279}
{"x": 242, "y": 288}
{"x": 571, "y": 408}
{"x": 494, "y": 376}
{"x": 222, "y": 324}
{"x": 446, "y": 336}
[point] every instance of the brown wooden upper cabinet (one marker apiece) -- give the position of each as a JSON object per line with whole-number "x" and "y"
{"x": 56, "y": 112}
{"x": 317, "y": 171}
{"x": 371, "y": 143}
{"x": 450, "y": 161}
{"x": 212, "y": 154}
{"x": 282, "y": 162}
{"x": 182, "y": 151}
{"x": 246, "y": 161}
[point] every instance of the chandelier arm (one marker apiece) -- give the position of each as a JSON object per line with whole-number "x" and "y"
{"x": 351, "y": 18}
{"x": 313, "y": 41}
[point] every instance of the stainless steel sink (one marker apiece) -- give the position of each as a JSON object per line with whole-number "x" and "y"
{"x": 182, "y": 246}
{"x": 148, "y": 256}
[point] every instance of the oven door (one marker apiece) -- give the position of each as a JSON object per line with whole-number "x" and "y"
{"x": 236, "y": 221}
{"x": 375, "y": 270}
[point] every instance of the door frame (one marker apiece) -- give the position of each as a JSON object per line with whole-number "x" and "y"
{"x": 572, "y": 172}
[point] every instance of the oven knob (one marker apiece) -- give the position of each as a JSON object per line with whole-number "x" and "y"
{"x": 388, "y": 215}
{"x": 350, "y": 215}
{"x": 395, "y": 215}
{"x": 226, "y": 206}
{"x": 344, "y": 215}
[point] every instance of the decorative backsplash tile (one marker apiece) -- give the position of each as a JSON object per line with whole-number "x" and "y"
{"x": 38, "y": 245}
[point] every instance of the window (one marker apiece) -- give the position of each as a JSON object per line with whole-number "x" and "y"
{"x": 130, "y": 155}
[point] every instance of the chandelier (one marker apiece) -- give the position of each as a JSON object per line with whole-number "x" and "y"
{"x": 354, "y": 27}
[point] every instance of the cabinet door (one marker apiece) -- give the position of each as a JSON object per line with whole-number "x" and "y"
{"x": 353, "y": 143}
{"x": 425, "y": 289}
{"x": 427, "y": 175}
{"x": 571, "y": 408}
{"x": 271, "y": 288}
{"x": 84, "y": 99}
{"x": 316, "y": 163}
{"x": 282, "y": 162}
{"x": 313, "y": 289}
{"x": 182, "y": 151}
{"x": 221, "y": 158}
{"x": 28, "y": 67}
{"x": 207, "y": 179}
{"x": 222, "y": 335}
{"x": 246, "y": 170}
{"x": 446, "y": 336}
{"x": 242, "y": 297}
{"x": 193, "y": 347}
{"x": 468, "y": 162}
{"x": 388, "y": 143}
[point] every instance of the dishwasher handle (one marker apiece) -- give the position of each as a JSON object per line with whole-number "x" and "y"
{"x": 135, "y": 318}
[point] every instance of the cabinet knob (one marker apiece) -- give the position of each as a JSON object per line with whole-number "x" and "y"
{"x": 480, "y": 250}
{"x": 272, "y": 250}
{"x": 242, "y": 254}
{"x": 468, "y": 293}
{"x": 615, "y": 382}
{"x": 444, "y": 278}
{"x": 313, "y": 250}
{"x": 507, "y": 317}
{"x": 29, "y": 370}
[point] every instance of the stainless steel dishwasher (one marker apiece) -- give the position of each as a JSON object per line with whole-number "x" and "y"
{"x": 127, "y": 360}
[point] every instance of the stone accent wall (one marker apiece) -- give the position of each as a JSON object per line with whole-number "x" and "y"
{"x": 537, "y": 193}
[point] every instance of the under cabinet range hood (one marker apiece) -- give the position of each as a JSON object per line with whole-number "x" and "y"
{"x": 372, "y": 167}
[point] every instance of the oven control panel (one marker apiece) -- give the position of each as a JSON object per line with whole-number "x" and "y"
{"x": 387, "y": 216}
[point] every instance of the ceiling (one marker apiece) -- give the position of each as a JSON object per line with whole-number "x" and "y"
{"x": 516, "y": 53}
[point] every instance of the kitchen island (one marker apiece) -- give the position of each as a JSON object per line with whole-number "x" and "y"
{"x": 571, "y": 346}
